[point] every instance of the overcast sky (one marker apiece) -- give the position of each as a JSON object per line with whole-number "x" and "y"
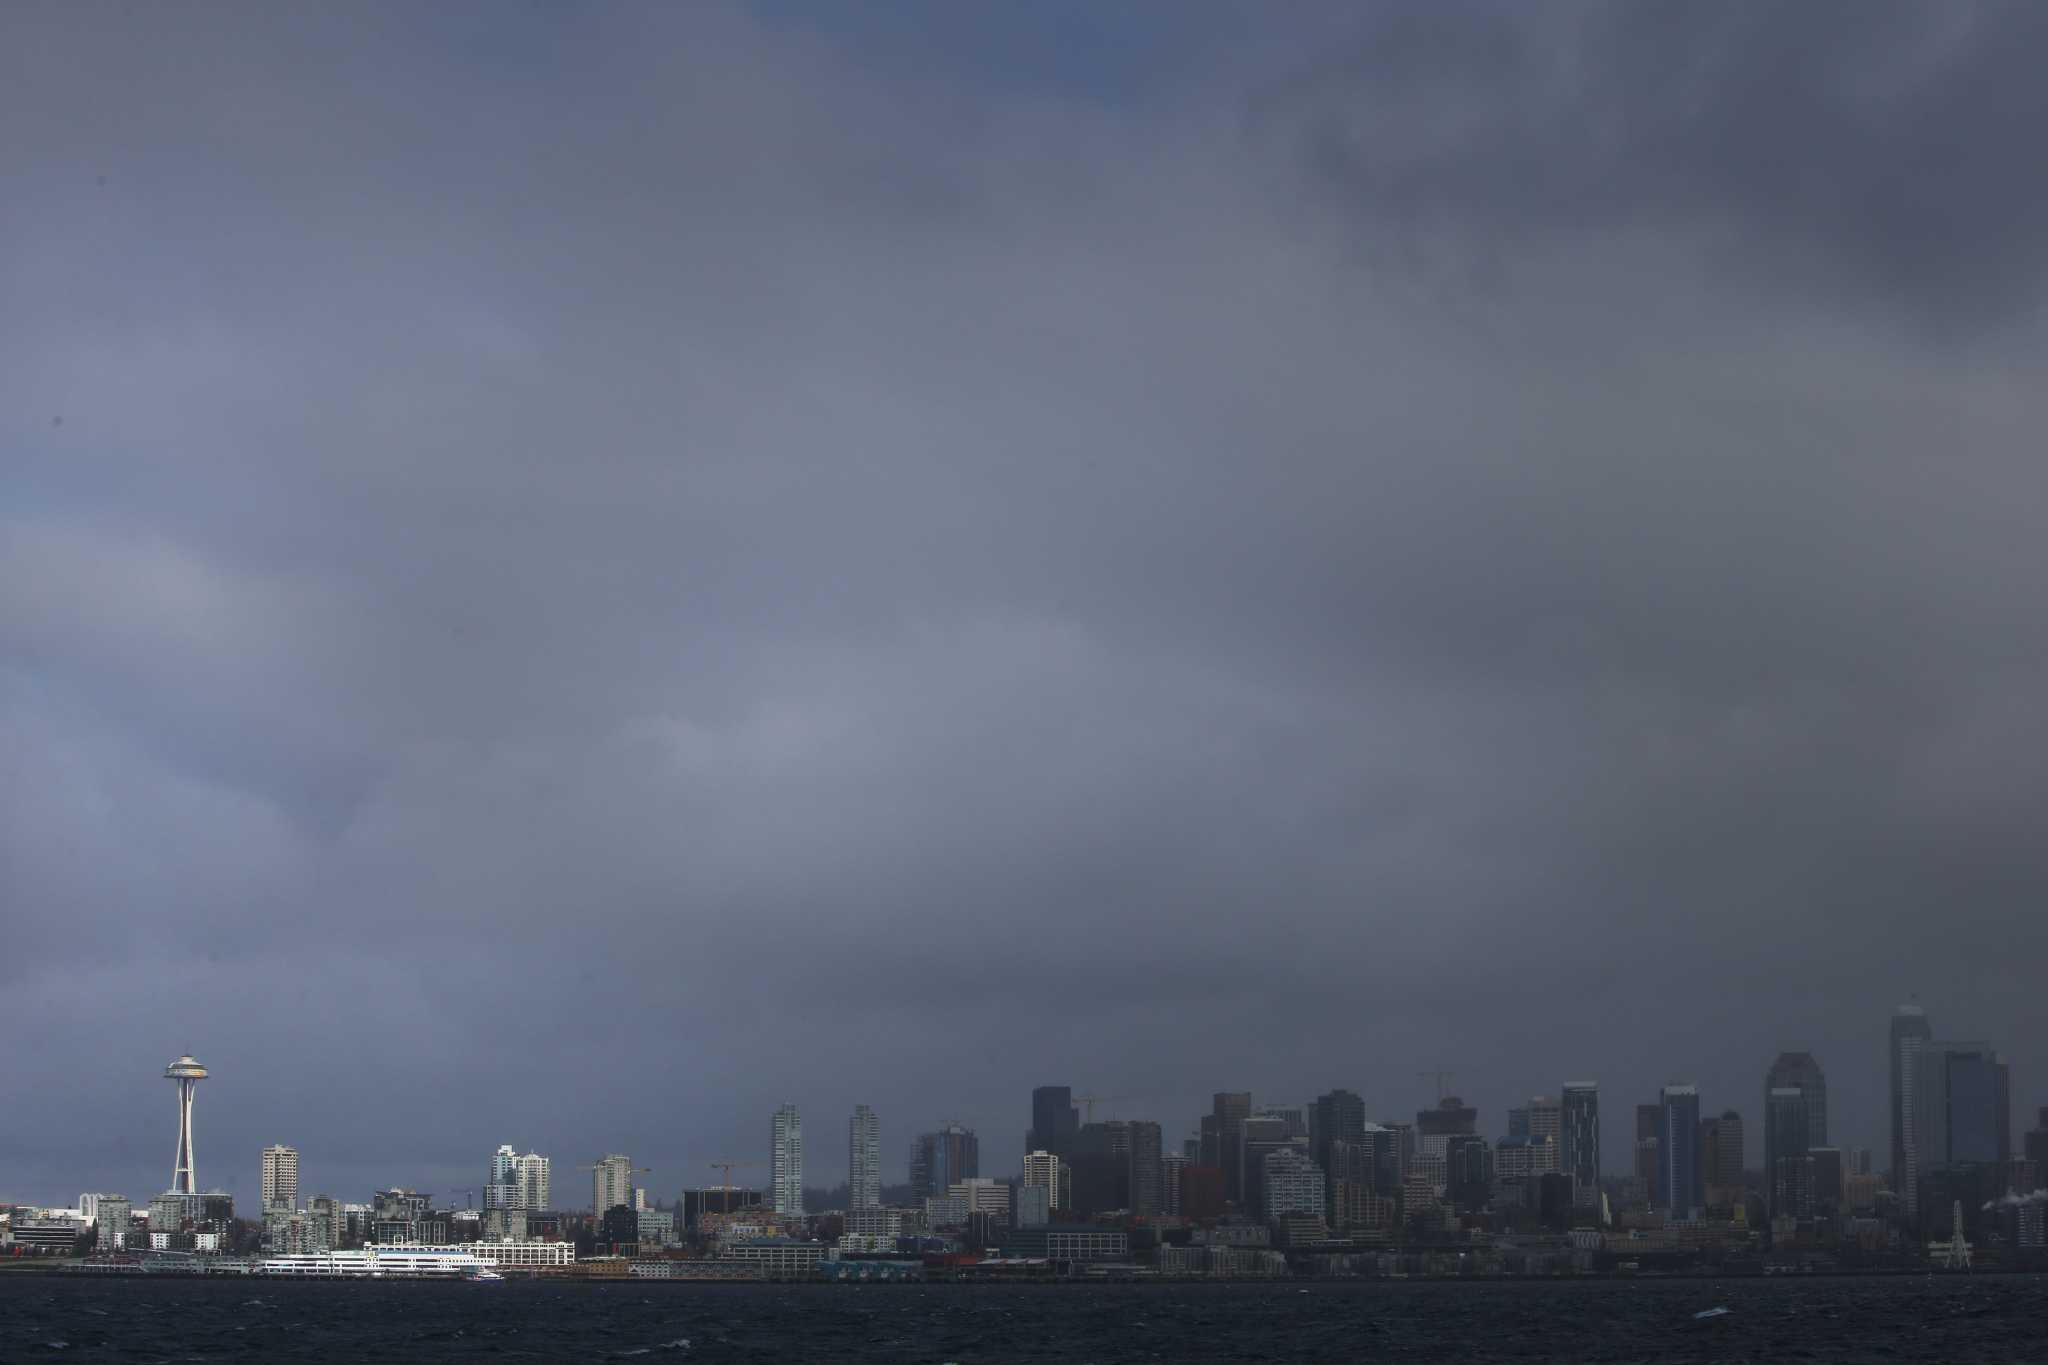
{"x": 570, "y": 574}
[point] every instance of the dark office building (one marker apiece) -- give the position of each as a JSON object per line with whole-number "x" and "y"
{"x": 1963, "y": 1126}
{"x": 1785, "y": 1119}
{"x": 1827, "y": 1179}
{"x": 1554, "y": 1200}
{"x": 1647, "y": 1169}
{"x": 1201, "y": 1192}
{"x": 1148, "y": 1170}
{"x": 1338, "y": 1116}
{"x": 1678, "y": 1152}
{"x": 1468, "y": 1170}
{"x": 1054, "y": 1120}
{"x": 1795, "y": 1109}
{"x": 1101, "y": 1168}
{"x": 940, "y": 1160}
{"x": 1231, "y": 1109}
{"x": 620, "y": 1226}
{"x": 1721, "y": 1156}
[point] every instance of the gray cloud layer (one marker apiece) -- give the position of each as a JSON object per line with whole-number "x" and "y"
{"x": 568, "y": 580}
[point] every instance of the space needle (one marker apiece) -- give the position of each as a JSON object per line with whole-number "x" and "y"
{"x": 188, "y": 1074}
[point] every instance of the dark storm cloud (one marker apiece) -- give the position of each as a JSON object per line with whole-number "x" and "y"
{"x": 1840, "y": 147}
{"x": 605, "y": 570}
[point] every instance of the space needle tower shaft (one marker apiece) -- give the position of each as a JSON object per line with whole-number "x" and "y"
{"x": 188, "y": 1074}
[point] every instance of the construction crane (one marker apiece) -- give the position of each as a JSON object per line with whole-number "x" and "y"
{"x": 1092, "y": 1100}
{"x": 728, "y": 1167}
{"x": 1442, "y": 1077}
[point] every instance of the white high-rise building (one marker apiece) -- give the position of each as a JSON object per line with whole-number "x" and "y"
{"x": 786, "y": 1157}
{"x": 611, "y": 1183}
{"x": 1043, "y": 1168}
{"x": 280, "y": 1178}
{"x": 863, "y": 1159}
{"x": 501, "y": 1191}
{"x": 519, "y": 1182}
{"x": 534, "y": 1191}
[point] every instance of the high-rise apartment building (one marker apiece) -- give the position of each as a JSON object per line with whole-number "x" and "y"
{"x": 863, "y": 1159}
{"x": 1042, "y": 1168}
{"x": 1579, "y": 1143}
{"x": 280, "y": 1178}
{"x": 1171, "y": 1164}
{"x": 535, "y": 1182}
{"x": 1290, "y": 1182}
{"x": 501, "y": 1190}
{"x": 786, "y": 1160}
{"x": 1678, "y": 1151}
{"x": 611, "y": 1183}
{"x": 1911, "y": 1031}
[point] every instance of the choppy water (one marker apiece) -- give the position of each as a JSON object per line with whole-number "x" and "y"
{"x": 1992, "y": 1318}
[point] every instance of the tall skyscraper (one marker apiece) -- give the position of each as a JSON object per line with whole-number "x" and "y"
{"x": 188, "y": 1074}
{"x": 1101, "y": 1168}
{"x": 1911, "y": 1030}
{"x": 611, "y": 1183}
{"x": 1785, "y": 1142}
{"x": 280, "y": 1178}
{"x": 1230, "y": 1109}
{"x": 1678, "y": 1151}
{"x": 1648, "y": 1168}
{"x": 1338, "y": 1116}
{"x": 1794, "y": 1124}
{"x": 863, "y": 1159}
{"x": 1054, "y": 1120}
{"x": 786, "y": 1160}
{"x": 1961, "y": 1129}
{"x": 1579, "y": 1118}
{"x": 1148, "y": 1172}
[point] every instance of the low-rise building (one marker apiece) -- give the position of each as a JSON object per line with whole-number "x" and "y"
{"x": 1069, "y": 1242}
{"x": 778, "y": 1257}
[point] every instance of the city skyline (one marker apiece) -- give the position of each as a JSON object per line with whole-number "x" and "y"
{"x": 638, "y": 563}
{"x": 1553, "y": 1113}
